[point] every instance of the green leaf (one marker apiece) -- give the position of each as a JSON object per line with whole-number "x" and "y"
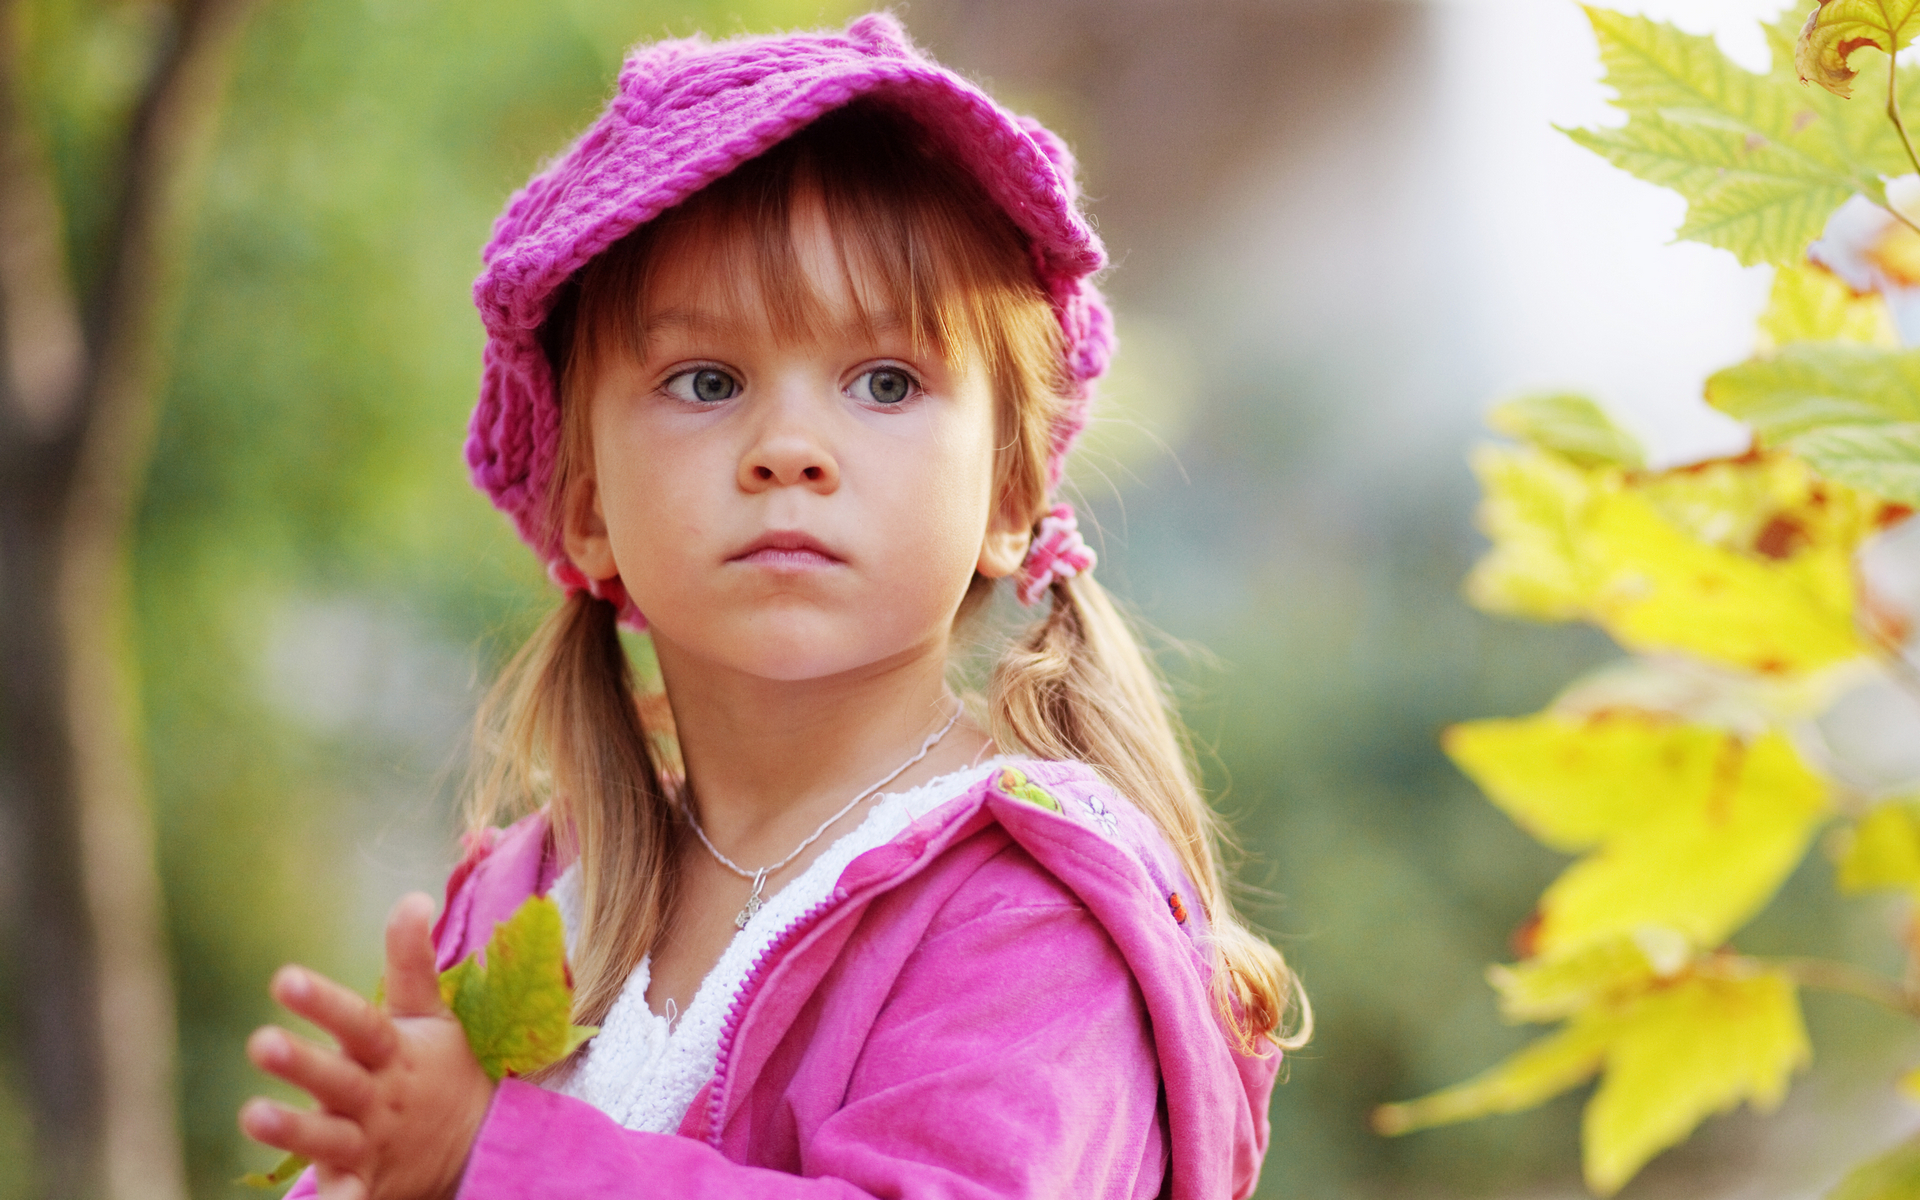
{"x": 1683, "y": 1053}
{"x": 1882, "y": 459}
{"x": 1894, "y": 1175}
{"x": 1536, "y": 1074}
{"x": 1745, "y": 193}
{"x": 1688, "y": 828}
{"x": 1763, "y": 219}
{"x": 516, "y": 1005}
{"x": 1573, "y": 427}
{"x": 1809, "y": 303}
{"x": 1839, "y": 29}
{"x": 1882, "y": 850}
{"x": 1812, "y": 386}
{"x": 1852, "y": 411}
{"x": 1761, "y": 161}
{"x": 1657, "y": 68}
{"x": 282, "y": 1172}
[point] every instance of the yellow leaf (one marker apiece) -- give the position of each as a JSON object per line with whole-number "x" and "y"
{"x": 1535, "y": 511}
{"x": 1895, "y": 1175}
{"x": 1839, "y": 29}
{"x": 1671, "y": 591}
{"x": 1602, "y": 971}
{"x": 1692, "y": 828}
{"x": 1536, "y": 1074}
{"x": 1746, "y": 562}
{"x": 1811, "y": 304}
{"x": 1882, "y": 850}
{"x": 1571, "y": 783}
{"x": 1679, "y": 1055}
{"x": 1670, "y": 1055}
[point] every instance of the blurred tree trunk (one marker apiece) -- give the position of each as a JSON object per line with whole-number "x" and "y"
{"x": 78, "y": 398}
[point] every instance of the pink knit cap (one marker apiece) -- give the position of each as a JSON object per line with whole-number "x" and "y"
{"x": 686, "y": 113}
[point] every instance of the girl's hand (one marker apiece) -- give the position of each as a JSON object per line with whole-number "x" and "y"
{"x": 402, "y": 1097}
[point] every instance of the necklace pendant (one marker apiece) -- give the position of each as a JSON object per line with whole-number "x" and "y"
{"x": 746, "y": 914}
{"x": 754, "y": 903}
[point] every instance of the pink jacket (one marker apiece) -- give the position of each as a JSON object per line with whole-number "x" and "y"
{"x": 1009, "y": 999}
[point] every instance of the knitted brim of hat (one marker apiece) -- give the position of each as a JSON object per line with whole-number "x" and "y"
{"x": 687, "y": 112}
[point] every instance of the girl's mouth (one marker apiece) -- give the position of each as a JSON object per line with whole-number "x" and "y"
{"x": 788, "y": 552}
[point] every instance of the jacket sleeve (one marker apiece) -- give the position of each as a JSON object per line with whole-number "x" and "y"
{"x": 1011, "y": 1058}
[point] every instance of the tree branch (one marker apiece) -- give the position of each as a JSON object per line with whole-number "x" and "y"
{"x": 39, "y": 319}
{"x": 171, "y": 140}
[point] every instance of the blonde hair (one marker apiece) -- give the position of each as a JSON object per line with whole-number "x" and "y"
{"x": 566, "y": 725}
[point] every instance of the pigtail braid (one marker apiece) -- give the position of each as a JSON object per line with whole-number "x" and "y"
{"x": 1079, "y": 687}
{"x": 562, "y": 727}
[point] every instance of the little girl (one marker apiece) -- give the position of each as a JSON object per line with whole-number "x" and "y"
{"x": 784, "y": 356}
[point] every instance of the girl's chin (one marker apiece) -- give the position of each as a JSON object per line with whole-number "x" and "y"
{"x": 790, "y": 648}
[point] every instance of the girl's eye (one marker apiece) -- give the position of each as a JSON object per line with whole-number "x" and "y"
{"x": 708, "y": 385}
{"x": 884, "y": 385}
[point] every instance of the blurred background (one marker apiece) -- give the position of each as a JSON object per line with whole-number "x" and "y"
{"x": 1342, "y": 229}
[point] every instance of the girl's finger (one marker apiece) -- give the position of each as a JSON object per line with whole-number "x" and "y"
{"x": 362, "y": 1030}
{"x": 320, "y": 1136}
{"x": 413, "y": 986}
{"x": 337, "y": 1082}
{"x": 339, "y": 1185}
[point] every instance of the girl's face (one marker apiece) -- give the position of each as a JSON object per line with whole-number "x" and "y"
{"x": 789, "y": 508}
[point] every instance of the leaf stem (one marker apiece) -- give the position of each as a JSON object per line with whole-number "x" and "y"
{"x": 1827, "y": 975}
{"x": 1900, "y": 216}
{"x": 1893, "y": 111}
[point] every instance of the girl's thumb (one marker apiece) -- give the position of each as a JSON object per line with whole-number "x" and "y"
{"x": 413, "y": 986}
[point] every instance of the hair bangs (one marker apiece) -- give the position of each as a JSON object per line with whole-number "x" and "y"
{"x": 916, "y": 240}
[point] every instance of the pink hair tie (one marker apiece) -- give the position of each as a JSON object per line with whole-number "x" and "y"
{"x": 572, "y": 579}
{"x": 1057, "y": 552}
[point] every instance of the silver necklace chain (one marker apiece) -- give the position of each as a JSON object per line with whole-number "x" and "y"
{"x": 754, "y": 902}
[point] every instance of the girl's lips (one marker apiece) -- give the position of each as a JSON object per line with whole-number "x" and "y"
{"x": 787, "y": 560}
{"x": 787, "y": 552}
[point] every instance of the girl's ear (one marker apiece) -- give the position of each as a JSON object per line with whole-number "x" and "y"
{"x": 584, "y": 530}
{"x": 1005, "y": 546}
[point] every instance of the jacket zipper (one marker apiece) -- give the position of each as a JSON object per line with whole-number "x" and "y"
{"x": 744, "y": 997}
{"x": 750, "y": 986}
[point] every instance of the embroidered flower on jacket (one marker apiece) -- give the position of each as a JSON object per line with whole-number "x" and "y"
{"x": 1102, "y": 815}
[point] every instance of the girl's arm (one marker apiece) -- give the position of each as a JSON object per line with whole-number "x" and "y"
{"x": 400, "y": 1097}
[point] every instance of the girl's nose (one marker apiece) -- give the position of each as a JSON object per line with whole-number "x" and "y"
{"x": 789, "y": 452}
